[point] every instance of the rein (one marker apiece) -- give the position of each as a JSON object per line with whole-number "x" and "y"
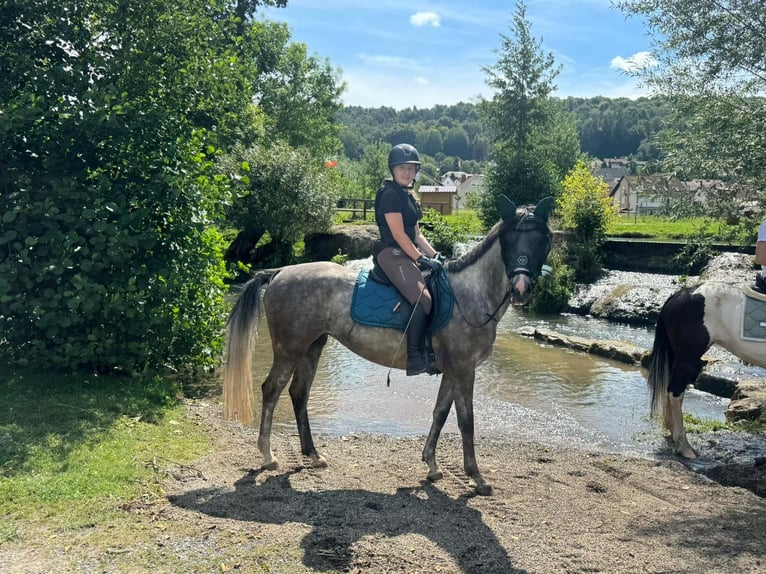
{"x": 490, "y": 316}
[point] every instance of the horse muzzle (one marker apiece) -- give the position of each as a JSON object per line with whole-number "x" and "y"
{"x": 521, "y": 286}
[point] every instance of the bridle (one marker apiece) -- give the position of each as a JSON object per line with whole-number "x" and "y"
{"x": 520, "y": 268}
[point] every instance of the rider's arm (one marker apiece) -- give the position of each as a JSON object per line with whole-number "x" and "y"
{"x": 396, "y": 225}
{"x": 423, "y": 244}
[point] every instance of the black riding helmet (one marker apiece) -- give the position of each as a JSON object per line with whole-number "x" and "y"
{"x": 403, "y": 153}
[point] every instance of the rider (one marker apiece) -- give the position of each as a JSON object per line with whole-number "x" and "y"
{"x": 403, "y": 251}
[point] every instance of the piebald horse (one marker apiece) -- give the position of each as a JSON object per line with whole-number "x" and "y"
{"x": 691, "y": 321}
{"x": 306, "y": 303}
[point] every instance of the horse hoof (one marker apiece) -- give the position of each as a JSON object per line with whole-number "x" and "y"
{"x": 687, "y": 453}
{"x": 435, "y": 476}
{"x": 485, "y": 490}
{"x": 318, "y": 462}
{"x": 271, "y": 465}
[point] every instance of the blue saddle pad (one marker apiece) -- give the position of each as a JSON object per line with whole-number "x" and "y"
{"x": 377, "y": 305}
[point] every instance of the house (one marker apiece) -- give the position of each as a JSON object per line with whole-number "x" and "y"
{"x": 644, "y": 194}
{"x": 610, "y": 176}
{"x": 438, "y": 197}
{"x": 451, "y": 195}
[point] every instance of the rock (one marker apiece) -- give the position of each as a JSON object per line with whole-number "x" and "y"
{"x": 616, "y": 350}
{"x": 748, "y": 401}
{"x": 355, "y": 241}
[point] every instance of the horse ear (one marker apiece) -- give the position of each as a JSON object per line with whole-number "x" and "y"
{"x": 505, "y": 207}
{"x": 543, "y": 209}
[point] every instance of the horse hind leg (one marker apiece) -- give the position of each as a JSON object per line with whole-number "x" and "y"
{"x": 674, "y": 422}
{"x": 684, "y": 373}
{"x": 272, "y": 388}
{"x": 300, "y": 389}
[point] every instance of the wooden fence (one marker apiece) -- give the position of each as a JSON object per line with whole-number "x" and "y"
{"x": 359, "y": 208}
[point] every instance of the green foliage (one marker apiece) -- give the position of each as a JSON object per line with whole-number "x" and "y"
{"x": 522, "y": 80}
{"x": 531, "y": 133}
{"x": 552, "y": 293}
{"x": 709, "y": 59}
{"x": 525, "y": 176}
{"x": 108, "y": 255}
{"x": 282, "y": 190}
{"x": 586, "y": 210}
{"x": 298, "y": 94}
{"x": 696, "y": 253}
{"x": 341, "y": 258}
{"x": 443, "y": 235}
{"x": 696, "y": 425}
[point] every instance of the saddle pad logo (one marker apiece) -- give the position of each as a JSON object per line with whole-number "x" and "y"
{"x": 754, "y": 319}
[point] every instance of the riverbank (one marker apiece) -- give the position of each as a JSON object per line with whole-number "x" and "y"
{"x": 371, "y": 511}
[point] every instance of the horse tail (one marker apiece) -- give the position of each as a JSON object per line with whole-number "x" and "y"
{"x": 238, "y": 399}
{"x": 660, "y": 361}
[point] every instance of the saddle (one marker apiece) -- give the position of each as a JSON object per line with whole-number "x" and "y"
{"x": 754, "y": 314}
{"x": 377, "y": 303}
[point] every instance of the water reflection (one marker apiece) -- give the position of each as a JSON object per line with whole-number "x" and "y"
{"x": 526, "y": 390}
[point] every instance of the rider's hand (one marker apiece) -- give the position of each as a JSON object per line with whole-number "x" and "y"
{"x": 428, "y": 264}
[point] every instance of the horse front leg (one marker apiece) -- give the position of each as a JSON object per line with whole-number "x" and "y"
{"x": 299, "y": 394}
{"x": 674, "y": 423}
{"x": 463, "y": 396}
{"x": 271, "y": 389}
{"x": 441, "y": 411}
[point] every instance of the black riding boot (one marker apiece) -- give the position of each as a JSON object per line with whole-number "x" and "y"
{"x": 417, "y": 358}
{"x": 760, "y": 283}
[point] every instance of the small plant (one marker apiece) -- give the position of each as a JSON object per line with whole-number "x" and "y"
{"x": 341, "y": 258}
{"x": 697, "y": 425}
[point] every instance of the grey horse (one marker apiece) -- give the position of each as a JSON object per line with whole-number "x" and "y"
{"x": 306, "y": 303}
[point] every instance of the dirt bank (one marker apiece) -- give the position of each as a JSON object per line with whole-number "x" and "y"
{"x": 554, "y": 509}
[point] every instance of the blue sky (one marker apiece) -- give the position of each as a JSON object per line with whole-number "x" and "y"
{"x": 422, "y": 53}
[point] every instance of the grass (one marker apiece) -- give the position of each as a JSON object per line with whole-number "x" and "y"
{"x": 74, "y": 450}
{"x": 661, "y": 228}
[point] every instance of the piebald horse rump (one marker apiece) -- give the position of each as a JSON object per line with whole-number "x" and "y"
{"x": 690, "y": 322}
{"x": 304, "y": 304}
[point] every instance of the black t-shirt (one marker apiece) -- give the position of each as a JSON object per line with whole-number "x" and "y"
{"x": 392, "y": 198}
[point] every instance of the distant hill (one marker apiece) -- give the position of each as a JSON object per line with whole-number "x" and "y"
{"x": 607, "y": 128}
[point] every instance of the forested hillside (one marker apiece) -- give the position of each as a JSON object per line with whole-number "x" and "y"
{"x": 607, "y": 128}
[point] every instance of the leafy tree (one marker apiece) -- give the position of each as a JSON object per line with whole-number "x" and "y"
{"x": 518, "y": 116}
{"x": 111, "y": 117}
{"x": 710, "y": 62}
{"x": 456, "y": 143}
{"x": 285, "y": 192}
{"x": 298, "y": 94}
{"x": 429, "y": 142}
{"x": 586, "y": 211}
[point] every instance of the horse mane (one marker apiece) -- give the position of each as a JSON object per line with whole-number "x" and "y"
{"x": 472, "y": 256}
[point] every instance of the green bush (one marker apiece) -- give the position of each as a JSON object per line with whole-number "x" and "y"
{"x": 441, "y": 235}
{"x": 552, "y": 293}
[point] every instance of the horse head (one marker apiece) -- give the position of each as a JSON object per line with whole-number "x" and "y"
{"x": 525, "y": 242}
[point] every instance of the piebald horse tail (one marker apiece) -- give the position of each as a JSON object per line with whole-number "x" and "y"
{"x": 659, "y": 368}
{"x": 238, "y": 399}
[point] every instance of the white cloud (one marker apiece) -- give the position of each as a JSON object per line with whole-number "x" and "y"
{"x": 634, "y": 63}
{"x": 421, "y": 19}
